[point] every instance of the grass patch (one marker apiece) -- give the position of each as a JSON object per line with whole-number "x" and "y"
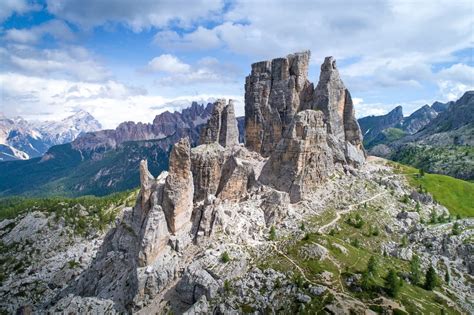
{"x": 455, "y": 194}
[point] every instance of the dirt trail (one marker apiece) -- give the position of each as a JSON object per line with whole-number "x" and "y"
{"x": 349, "y": 209}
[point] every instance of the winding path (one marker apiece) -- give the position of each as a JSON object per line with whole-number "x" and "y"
{"x": 349, "y": 209}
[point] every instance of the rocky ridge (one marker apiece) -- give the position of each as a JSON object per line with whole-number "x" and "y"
{"x": 223, "y": 171}
{"x": 193, "y": 240}
{"x": 21, "y": 139}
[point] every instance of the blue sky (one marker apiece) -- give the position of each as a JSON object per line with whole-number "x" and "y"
{"x": 129, "y": 60}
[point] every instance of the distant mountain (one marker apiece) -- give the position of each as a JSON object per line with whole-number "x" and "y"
{"x": 20, "y": 139}
{"x": 106, "y": 161}
{"x": 437, "y": 138}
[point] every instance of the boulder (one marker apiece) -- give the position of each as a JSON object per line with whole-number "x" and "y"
{"x": 195, "y": 283}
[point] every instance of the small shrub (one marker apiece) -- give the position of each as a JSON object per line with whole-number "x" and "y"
{"x": 355, "y": 242}
{"x": 272, "y": 236}
{"x": 415, "y": 271}
{"x": 302, "y": 226}
{"x": 225, "y": 258}
{"x": 227, "y": 286}
{"x": 404, "y": 241}
{"x": 456, "y": 229}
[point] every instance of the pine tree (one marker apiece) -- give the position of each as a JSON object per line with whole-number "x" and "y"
{"x": 431, "y": 278}
{"x": 392, "y": 283}
{"x": 447, "y": 278}
{"x": 372, "y": 266}
{"x": 415, "y": 271}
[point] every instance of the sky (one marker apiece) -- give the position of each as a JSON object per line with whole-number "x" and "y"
{"x": 126, "y": 60}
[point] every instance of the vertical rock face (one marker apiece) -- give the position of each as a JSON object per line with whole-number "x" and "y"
{"x": 146, "y": 181}
{"x": 302, "y": 159}
{"x": 154, "y": 233}
{"x": 276, "y": 90}
{"x": 229, "y": 133}
{"x": 273, "y": 93}
{"x": 221, "y": 126}
{"x": 207, "y": 161}
{"x": 178, "y": 191}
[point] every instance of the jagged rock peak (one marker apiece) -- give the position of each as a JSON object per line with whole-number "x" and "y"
{"x": 146, "y": 182}
{"x": 274, "y": 92}
{"x": 221, "y": 126}
{"x": 179, "y": 189}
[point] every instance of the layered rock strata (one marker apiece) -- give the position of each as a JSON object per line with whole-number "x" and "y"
{"x": 302, "y": 159}
{"x": 276, "y": 90}
{"x": 221, "y": 126}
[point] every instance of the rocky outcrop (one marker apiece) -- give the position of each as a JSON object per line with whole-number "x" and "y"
{"x": 274, "y": 91}
{"x": 237, "y": 177}
{"x": 419, "y": 119}
{"x": 302, "y": 159}
{"x": 179, "y": 189}
{"x": 222, "y": 125}
{"x": 207, "y": 161}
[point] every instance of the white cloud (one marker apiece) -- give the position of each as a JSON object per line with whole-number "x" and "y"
{"x": 138, "y": 14}
{"x": 395, "y": 42}
{"x": 73, "y": 62}
{"x": 178, "y": 73}
{"x": 8, "y": 7}
{"x": 168, "y": 63}
{"x": 111, "y": 102}
{"x": 201, "y": 39}
{"x": 58, "y": 29}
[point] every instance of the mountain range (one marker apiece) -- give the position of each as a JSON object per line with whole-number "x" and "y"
{"x": 21, "y": 139}
{"x": 104, "y": 161}
{"x": 437, "y": 138}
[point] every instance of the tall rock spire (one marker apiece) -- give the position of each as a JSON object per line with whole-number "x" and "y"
{"x": 274, "y": 91}
{"x": 221, "y": 126}
{"x": 335, "y": 101}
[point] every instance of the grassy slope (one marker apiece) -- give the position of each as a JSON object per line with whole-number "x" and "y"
{"x": 414, "y": 299}
{"x": 455, "y": 194}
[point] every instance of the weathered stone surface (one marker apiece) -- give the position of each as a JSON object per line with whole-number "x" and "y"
{"x": 179, "y": 190}
{"x": 274, "y": 206}
{"x": 237, "y": 177}
{"x": 221, "y": 126}
{"x": 206, "y": 166}
{"x": 302, "y": 159}
{"x": 154, "y": 234}
{"x": 146, "y": 182}
{"x": 195, "y": 283}
{"x": 273, "y": 93}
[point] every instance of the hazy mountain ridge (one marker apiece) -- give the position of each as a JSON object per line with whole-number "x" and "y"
{"x": 20, "y": 139}
{"x": 105, "y": 161}
{"x": 437, "y": 138}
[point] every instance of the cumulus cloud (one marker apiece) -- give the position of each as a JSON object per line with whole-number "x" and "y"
{"x": 73, "y": 62}
{"x": 201, "y": 39}
{"x": 55, "y": 28}
{"x": 138, "y": 15}
{"x": 111, "y": 102}
{"x": 168, "y": 63}
{"x": 9, "y": 7}
{"x": 206, "y": 70}
{"x": 384, "y": 43}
